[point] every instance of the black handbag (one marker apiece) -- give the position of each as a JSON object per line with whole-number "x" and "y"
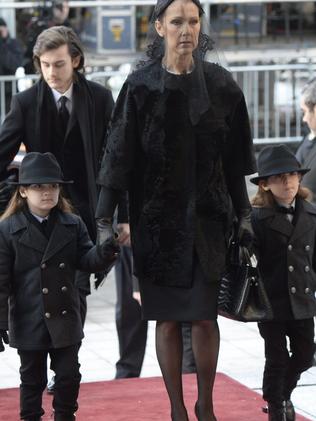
{"x": 242, "y": 294}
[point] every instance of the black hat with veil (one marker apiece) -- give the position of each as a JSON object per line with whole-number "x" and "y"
{"x": 194, "y": 81}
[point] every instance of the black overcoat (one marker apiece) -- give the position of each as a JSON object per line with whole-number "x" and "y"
{"x": 30, "y": 122}
{"x": 37, "y": 275}
{"x": 175, "y": 170}
{"x": 286, "y": 259}
{"x": 306, "y": 155}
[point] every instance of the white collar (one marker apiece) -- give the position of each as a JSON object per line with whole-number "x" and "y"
{"x": 40, "y": 218}
{"x": 311, "y": 136}
{"x": 67, "y": 94}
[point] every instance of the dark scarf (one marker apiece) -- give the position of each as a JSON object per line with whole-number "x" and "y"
{"x": 46, "y": 108}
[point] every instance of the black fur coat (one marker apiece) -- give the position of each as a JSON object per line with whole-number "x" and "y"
{"x": 174, "y": 170}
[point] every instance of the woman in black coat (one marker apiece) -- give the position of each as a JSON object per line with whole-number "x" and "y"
{"x": 179, "y": 142}
{"x": 42, "y": 245}
{"x": 284, "y": 224}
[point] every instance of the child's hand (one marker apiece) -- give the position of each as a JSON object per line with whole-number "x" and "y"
{"x": 4, "y": 338}
{"x": 109, "y": 250}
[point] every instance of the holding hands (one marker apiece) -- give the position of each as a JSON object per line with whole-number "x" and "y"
{"x": 107, "y": 239}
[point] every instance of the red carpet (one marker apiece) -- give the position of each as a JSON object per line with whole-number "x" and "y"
{"x": 145, "y": 399}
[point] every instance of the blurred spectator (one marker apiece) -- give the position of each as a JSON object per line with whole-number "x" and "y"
{"x": 11, "y": 54}
{"x": 47, "y": 17}
{"x": 306, "y": 153}
{"x": 11, "y": 57}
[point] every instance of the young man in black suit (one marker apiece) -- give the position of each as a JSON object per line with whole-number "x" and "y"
{"x": 67, "y": 115}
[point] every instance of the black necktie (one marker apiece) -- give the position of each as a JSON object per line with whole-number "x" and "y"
{"x": 44, "y": 227}
{"x": 283, "y": 209}
{"x": 63, "y": 113}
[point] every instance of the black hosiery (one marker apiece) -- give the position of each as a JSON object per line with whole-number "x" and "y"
{"x": 169, "y": 351}
{"x": 205, "y": 345}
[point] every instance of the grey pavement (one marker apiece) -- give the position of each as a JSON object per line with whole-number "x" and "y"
{"x": 241, "y": 352}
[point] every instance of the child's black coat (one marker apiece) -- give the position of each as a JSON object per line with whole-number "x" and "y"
{"x": 286, "y": 259}
{"x": 37, "y": 278}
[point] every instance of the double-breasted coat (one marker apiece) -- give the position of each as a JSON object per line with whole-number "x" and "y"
{"x": 31, "y": 122}
{"x": 37, "y": 278}
{"x": 286, "y": 259}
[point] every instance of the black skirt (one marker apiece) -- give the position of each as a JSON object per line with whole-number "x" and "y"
{"x": 181, "y": 304}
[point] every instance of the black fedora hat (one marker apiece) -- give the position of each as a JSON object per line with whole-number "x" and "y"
{"x": 39, "y": 168}
{"x": 273, "y": 160}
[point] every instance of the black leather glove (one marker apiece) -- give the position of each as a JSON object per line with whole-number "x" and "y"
{"x": 107, "y": 246}
{"x": 245, "y": 232}
{"x": 109, "y": 249}
{"x": 4, "y": 339}
{"x": 104, "y": 230}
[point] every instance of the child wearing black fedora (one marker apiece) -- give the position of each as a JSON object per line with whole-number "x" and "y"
{"x": 42, "y": 244}
{"x": 284, "y": 223}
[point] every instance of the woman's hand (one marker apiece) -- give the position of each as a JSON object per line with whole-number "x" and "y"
{"x": 104, "y": 230}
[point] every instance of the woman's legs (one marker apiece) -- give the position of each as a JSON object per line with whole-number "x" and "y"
{"x": 169, "y": 353}
{"x": 205, "y": 344}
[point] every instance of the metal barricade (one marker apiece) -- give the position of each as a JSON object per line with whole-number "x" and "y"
{"x": 272, "y": 94}
{"x": 10, "y": 85}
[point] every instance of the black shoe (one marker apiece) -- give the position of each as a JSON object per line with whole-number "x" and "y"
{"x": 32, "y": 419}
{"x": 51, "y": 386}
{"x": 58, "y": 417}
{"x": 276, "y": 412}
{"x": 289, "y": 411}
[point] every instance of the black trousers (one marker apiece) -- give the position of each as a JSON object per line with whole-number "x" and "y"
{"x": 283, "y": 366}
{"x": 132, "y": 330}
{"x": 33, "y": 374}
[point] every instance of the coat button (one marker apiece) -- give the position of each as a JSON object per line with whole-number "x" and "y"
{"x": 306, "y": 268}
{"x": 43, "y": 266}
{"x": 45, "y": 290}
{"x": 293, "y": 290}
{"x": 47, "y": 315}
{"x": 62, "y": 265}
{"x": 64, "y": 289}
{"x": 307, "y": 248}
{"x": 291, "y": 268}
{"x": 290, "y": 247}
{"x": 64, "y": 312}
{"x": 307, "y": 290}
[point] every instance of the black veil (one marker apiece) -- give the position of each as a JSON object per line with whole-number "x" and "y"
{"x": 194, "y": 82}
